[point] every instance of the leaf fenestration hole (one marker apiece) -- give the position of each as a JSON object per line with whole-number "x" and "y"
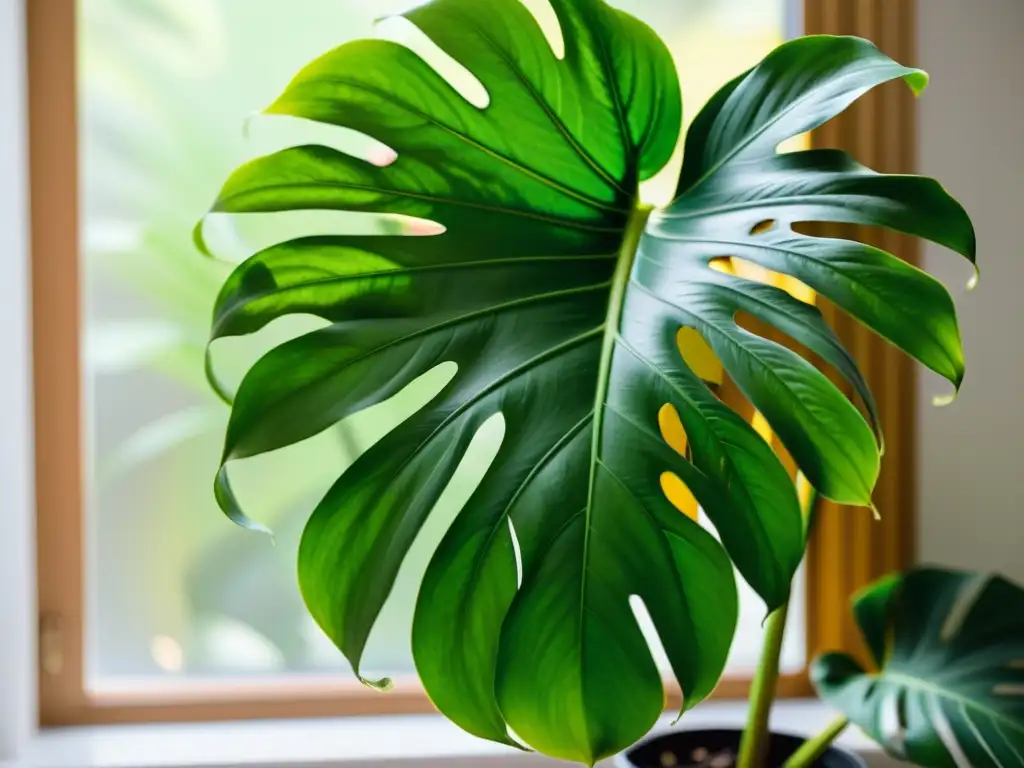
{"x": 722, "y": 264}
{"x": 763, "y": 226}
{"x": 650, "y": 632}
{"x": 872, "y": 234}
{"x": 371, "y": 424}
{"x": 796, "y": 143}
{"x": 679, "y": 495}
{"x": 698, "y": 356}
{"x": 398, "y": 29}
{"x": 804, "y": 491}
{"x": 675, "y": 490}
{"x": 477, "y": 459}
{"x": 314, "y": 462}
{"x": 547, "y": 20}
{"x": 748, "y": 270}
{"x": 760, "y": 425}
{"x": 892, "y": 723}
{"x": 671, "y": 427}
{"x": 268, "y": 133}
{"x": 517, "y": 552}
{"x": 940, "y": 722}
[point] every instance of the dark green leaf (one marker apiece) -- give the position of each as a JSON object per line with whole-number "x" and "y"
{"x": 950, "y": 688}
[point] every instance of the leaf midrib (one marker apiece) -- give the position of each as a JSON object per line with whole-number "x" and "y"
{"x": 627, "y": 255}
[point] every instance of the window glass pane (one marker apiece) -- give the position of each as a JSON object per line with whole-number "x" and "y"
{"x": 166, "y": 90}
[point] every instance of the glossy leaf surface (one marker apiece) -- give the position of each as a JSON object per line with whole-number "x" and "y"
{"x": 542, "y": 280}
{"x": 949, "y": 690}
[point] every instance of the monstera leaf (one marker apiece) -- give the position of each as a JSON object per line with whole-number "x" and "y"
{"x": 560, "y": 299}
{"x": 949, "y": 690}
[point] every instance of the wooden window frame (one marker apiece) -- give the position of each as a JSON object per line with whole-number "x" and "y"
{"x": 848, "y": 548}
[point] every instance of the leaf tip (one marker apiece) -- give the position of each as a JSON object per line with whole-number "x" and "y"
{"x": 874, "y": 511}
{"x": 229, "y": 505}
{"x": 383, "y": 684}
{"x": 415, "y": 227}
{"x": 975, "y": 278}
{"x": 917, "y": 80}
{"x": 252, "y": 525}
{"x": 381, "y": 156}
{"x": 256, "y": 527}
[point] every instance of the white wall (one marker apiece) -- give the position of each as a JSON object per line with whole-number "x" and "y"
{"x": 17, "y": 672}
{"x": 972, "y": 453}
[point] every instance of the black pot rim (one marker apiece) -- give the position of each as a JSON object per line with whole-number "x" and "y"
{"x": 834, "y": 757}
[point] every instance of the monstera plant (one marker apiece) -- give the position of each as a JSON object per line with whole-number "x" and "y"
{"x": 521, "y": 261}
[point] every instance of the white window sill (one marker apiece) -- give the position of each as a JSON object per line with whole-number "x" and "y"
{"x": 421, "y": 741}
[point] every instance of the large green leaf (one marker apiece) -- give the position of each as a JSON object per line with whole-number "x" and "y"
{"x": 949, "y": 690}
{"x": 560, "y": 306}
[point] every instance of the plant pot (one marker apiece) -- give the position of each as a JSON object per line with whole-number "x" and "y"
{"x": 718, "y": 749}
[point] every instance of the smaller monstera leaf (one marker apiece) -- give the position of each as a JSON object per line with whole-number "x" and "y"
{"x": 949, "y": 690}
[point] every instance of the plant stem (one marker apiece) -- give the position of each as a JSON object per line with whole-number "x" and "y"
{"x": 812, "y": 749}
{"x": 754, "y": 743}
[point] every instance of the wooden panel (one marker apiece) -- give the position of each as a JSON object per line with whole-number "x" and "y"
{"x": 850, "y": 548}
{"x": 56, "y": 313}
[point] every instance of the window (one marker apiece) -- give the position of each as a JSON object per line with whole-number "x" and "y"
{"x": 153, "y": 605}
